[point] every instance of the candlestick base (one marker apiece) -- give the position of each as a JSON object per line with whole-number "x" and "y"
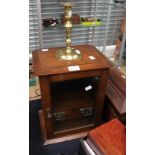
{"x": 61, "y": 54}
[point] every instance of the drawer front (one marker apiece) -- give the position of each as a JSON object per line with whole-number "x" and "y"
{"x": 73, "y": 113}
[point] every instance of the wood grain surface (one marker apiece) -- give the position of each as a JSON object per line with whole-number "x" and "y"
{"x": 50, "y": 70}
{"x": 45, "y": 63}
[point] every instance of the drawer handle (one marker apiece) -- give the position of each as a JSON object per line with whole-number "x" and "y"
{"x": 59, "y": 116}
{"x": 86, "y": 112}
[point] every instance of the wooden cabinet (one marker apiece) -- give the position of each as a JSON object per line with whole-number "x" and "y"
{"x": 72, "y": 101}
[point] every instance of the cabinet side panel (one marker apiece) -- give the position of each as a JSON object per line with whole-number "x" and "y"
{"x": 46, "y": 104}
{"x": 100, "y": 96}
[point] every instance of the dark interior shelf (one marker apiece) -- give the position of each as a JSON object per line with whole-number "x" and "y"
{"x": 73, "y": 125}
{"x": 72, "y": 93}
{"x": 73, "y": 104}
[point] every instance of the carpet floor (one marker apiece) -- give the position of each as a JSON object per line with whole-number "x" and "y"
{"x": 35, "y": 142}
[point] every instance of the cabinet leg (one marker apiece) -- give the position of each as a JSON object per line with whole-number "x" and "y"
{"x": 46, "y": 105}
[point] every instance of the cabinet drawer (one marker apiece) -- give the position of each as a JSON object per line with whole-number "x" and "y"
{"x": 73, "y": 113}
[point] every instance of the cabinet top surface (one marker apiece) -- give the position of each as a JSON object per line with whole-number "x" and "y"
{"x": 45, "y": 62}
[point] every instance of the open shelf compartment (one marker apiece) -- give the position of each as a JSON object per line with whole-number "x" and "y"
{"x": 73, "y": 104}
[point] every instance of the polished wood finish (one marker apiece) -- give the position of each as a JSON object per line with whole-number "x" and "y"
{"x": 100, "y": 96}
{"x": 74, "y": 75}
{"x": 46, "y": 103}
{"x": 45, "y": 63}
{"x": 115, "y": 102}
{"x": 110, "y": 112}
{"x": 109, "y": 138}
{"x": 70, "y": 98}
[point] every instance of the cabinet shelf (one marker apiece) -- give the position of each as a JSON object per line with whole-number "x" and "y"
{"x": 83, "y": 25}
{"x": 72, "y": 102}
{"x": 69, "y": 98}
{"x": 73, "y": 125}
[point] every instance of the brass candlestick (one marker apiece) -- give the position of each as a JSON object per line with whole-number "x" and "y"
{"x": 68, "y": 53}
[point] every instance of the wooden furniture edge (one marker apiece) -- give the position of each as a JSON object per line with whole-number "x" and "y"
{"x": 42, "y": 125}
{"x": 57, "y": 140}
{"x": 38, "y": 70}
